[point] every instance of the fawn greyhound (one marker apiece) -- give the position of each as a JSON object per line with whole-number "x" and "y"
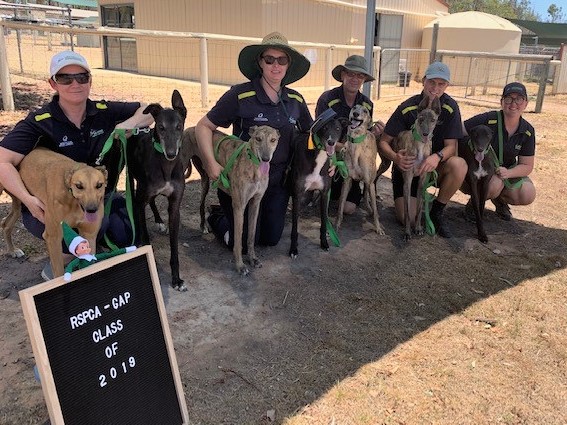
{"x": 360, "y": 158}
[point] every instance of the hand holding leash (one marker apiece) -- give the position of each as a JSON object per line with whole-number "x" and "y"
{"x": 503, "y": 173}
{"x": 429, "y": 164}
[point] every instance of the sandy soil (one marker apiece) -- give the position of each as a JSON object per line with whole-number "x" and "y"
{"x": 376, "y": 331}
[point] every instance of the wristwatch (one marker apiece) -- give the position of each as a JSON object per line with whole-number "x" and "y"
{"x": 440, "y": 155}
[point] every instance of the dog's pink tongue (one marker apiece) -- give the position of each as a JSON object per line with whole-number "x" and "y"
{"x": 90, "y": 217}
{"x": 330, "y": 150}
{"x": 479, "y": 156}
{"x": 264, "y": 167}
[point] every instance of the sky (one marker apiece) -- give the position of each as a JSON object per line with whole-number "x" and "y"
{"x": 540, "y": 7}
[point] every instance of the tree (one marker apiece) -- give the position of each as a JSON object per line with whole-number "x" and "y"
{"x": 511, "y": 9}
{"x": 555, "y": 13}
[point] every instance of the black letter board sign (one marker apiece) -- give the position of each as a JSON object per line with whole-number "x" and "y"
{"x": 103, "y": 347}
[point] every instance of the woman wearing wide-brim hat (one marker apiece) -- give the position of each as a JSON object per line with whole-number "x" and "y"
{"x": 352, "y": 75}
{"x": 264, "y": 100}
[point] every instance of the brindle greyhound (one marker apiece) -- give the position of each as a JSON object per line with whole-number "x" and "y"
{"x": 155, "y": 164}
{"x": 417, "y": 142}
{"x": 360, "y": 158}
{"x": 310, "y": 169}
{"x": 477, "y": 152}
{"x": 245, "y": 178}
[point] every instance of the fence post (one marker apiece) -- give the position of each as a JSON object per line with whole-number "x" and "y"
{"x": 204, "y": 72}
{"x": 434, "y": 37}
{"x": 328, "y": 57}
{"x": 7, "y": 93}
{"x": 542, "y": 83}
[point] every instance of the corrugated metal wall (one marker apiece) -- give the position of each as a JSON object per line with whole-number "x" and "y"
{"x": 317, "y": 21}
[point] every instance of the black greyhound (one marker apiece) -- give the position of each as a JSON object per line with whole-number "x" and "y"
{"x": 156, "y": 166}
{"x": 477, "y": 151}
{"x": 310, "y": 169}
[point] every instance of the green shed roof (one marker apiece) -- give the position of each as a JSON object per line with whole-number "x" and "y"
{"x": 87, "y": 3}
{"x": 547, "y": 33}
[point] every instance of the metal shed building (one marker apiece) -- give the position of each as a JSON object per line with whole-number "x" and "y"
{"x": 332, "y": 22}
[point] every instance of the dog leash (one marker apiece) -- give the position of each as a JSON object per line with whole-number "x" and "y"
{"x": 223, "y": 177}
{"x": 507, "y": 183}
{"x": 430, "y": 180}
{"x": 120, "y": 134}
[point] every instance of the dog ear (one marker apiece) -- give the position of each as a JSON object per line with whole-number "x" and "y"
{"x": 178, "y": 105}
{"x": 436, "y": 105}
{"x": 424, "y": 104}
{"x": 344, "y": 122}
{"x": 154, "y": 109}
{"x": 252, "y": 130}
{"x": 104, "y": 172}
{"x": 68, "y": 176}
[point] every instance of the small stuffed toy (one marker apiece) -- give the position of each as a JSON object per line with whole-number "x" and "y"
{"x": 80, "y": 248}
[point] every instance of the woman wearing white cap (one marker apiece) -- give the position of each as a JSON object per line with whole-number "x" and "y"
{"x": 451, "y": 169}
{"x": 75, "y": 126}
{"x": 264, "y": 100}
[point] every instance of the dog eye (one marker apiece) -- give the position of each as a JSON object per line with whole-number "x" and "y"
{"x": 98, "y": 185}
{"x": 79, "y": 186}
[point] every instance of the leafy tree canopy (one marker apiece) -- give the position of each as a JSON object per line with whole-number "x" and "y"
{"x": 510, "y": 9}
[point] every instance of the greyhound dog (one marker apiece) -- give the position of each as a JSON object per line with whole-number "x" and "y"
{"x": 245, "y": 178}
{"x": 7, "y": 225}
{"x": 310, "y": 169}
{"x": 360, "y": 158}
{"x": 417, "y": 142}
{"x": 155, "y": 165}
{"x": 476, "y": 151}
{"x": 72, "y": 192}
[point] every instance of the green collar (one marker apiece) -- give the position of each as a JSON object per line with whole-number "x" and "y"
{"x": 416, "y": 136}
{"x": 157, "y": 146}
{"x": 223, "y": 177}
{"x": 356, "y": 140}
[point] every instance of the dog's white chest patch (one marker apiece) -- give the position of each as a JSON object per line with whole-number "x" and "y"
{"x": 480, "y": 172}
{"x": 314, "y": 181}
{"x": 166, "y": 189}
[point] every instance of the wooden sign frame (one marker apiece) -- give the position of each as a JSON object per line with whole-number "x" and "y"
{"x": 88, "y": 279}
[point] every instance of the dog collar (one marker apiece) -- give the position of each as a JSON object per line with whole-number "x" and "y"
{"x": 157, "y": 146}
{"x": 416, "y": 136}
{"x": 356, "y": 140}
{"x": 314, "y": 142}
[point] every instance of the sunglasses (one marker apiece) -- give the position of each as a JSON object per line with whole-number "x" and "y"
{"x": 67, "y": 79}
{"x": 517, "y": 100}
{"x": 357, "y": 75}
{"x": 281, "y": 60}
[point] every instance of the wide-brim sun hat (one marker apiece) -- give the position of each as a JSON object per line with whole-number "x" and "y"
{"x": 65, "y": 58}
{"x": 354, "y": 63}
{"x": 250, "y": 55}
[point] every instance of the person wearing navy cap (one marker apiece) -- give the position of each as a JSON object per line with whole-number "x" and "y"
{"x": 451, "y": 169}
{"x": 514, "y": 143}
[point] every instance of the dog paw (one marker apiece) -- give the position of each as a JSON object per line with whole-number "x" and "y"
{"x": 179, "y": 286}
{"x": 243, "y": 271}
{"x": 293, "y": 253}
{"x": 380, "y": 230}
{"x": 17, "y": 253}
{"x": 483, "y": 238}
{"x": 161, "y": 228}
{"x": 407, "y": 237}
{"x": 254, "y": 262}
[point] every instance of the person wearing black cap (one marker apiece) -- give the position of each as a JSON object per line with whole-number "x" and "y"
{"x": 264, "y": 100}
{"x": 513, "y": 142}
{"x": 341, "y": 99}
{"x": 75, "y": 126}
{"x": 451, "y": 169}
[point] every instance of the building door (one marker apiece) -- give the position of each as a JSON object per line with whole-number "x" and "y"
{"x": 120, "y": 53}
{"x": 389, "y": 36}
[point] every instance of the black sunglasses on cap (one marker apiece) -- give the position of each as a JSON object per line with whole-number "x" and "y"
{"x": 67, "y": 79}
{"x": 282, "y": 60}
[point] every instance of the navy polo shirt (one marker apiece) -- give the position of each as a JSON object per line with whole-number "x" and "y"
{"x": 246, "y": 105}
{"x": 449, "y": 125}
{"x": 50, "y": 127}
{"x": 335, "y": 99}
{"x": 521, "y": 143}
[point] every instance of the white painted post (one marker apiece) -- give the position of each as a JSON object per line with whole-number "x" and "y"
{"x": 5, "y": 84}
{"x": 204, "y": 72}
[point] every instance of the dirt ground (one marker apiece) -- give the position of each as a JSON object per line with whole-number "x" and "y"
{"x": 376, "y": 331}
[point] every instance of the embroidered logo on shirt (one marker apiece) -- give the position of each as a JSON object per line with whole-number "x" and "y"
{"x": 260, "y": 117}
{"x": 95, "y": 133}
{"x": 65, "y": 142}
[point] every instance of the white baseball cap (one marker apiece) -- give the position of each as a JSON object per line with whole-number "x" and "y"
{"x": 67, "y": 57}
